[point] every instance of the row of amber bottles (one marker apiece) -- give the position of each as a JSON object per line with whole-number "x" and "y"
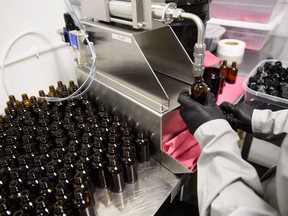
{"x": 229, "y": 73}
{"x": 56, "y": 153}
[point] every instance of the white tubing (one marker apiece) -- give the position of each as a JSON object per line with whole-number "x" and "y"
{"x": 90, "y": 76}
{"x": 7, "y": 49}
{"x": 92, "y": 73}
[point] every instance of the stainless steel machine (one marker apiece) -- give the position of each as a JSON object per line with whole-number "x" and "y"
{"x": 141, "y": 65}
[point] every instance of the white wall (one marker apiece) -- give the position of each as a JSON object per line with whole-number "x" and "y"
{"x": 29, "y": 27}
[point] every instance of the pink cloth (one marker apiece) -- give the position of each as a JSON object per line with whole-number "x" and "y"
{"x": 231, "y": 92}
{"x": 184, "y": 148}
{"x": 211, "y": 60}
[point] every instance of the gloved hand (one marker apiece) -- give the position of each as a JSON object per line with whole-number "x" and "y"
{"x": 195, "y": 114}
{"x": 239, "y": 115}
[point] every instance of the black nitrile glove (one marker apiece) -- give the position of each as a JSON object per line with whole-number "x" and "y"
{"x": 195, "y": 114}
{"x": 239, "y": 115}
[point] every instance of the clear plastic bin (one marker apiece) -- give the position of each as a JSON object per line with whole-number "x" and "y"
{"x": 213, "y": 34}
{"x": 255, "y": 35}
{"x": 254, "y": 39}
{"x": 251, "y": 95}
{"x": 261, "y": 11}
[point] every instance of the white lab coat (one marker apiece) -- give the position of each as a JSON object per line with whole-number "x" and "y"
{"x": 228, "y": 185}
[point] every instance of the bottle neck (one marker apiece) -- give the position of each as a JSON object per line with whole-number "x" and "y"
{"x": 198, "y": 79}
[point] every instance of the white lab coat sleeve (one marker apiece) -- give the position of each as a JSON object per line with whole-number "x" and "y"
{"x": 267, "y": 122}
{"x": 227, "y": 185}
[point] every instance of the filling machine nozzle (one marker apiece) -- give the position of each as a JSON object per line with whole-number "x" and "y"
{"x": 170, "y": 12}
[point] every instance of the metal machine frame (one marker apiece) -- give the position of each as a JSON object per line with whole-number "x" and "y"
{"x": 141, "y": 70}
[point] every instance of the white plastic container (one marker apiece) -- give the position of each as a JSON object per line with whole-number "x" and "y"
{"x": 213, "y": 34}
{"x": 260, "y": 11}
{"x": 251, "y": 95}
{"x": 255, "y": 35}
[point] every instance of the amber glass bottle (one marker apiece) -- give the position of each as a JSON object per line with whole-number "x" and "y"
{"x": 81, "y": 200}
{"x": 25, "y": 100}
{"x": 129, "y": 164}
{"x": 224, "y": 69}
{"x": 60, "y": 209}
{"x": 41, "y": 94}
{"x": 98, "y": 174}
{"x": 52, "y": 91}
{"x": 115, "y": 175}
{"x": 232, "y": 74}
{"x": 26, "y": 203}
{"x": 13, "y": 100}
{"x": 142, "y": 148}
{"x": 1, "y": 119}
{"x": 59, "y": 88}
{"x": 72, "y": 87}
{"x": 42, "y": 207}
{"x": 5, "y": 209}
{"x": 199, "y": 90}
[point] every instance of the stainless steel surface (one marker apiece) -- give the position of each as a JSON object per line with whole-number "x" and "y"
{"x": 121, "y": 59}
{"x": 154, "y": 124}
{"x": 121, "y": 9}
{"x": 96, "y": 9}
{"x": 155, "y": 184}
{"x": 129, "y": 58}
{"x": 128, "y": 10}
{"x": 136, "y": 13}
{"x": 165, "y": 54}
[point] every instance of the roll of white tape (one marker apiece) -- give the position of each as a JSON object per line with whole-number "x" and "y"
{"x": 231, "y": 50}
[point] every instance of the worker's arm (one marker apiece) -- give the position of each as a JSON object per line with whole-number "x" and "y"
{"x": 267, "y": 123}
{"x": 263, "y": 123}
{"x": 227, "y": 185}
